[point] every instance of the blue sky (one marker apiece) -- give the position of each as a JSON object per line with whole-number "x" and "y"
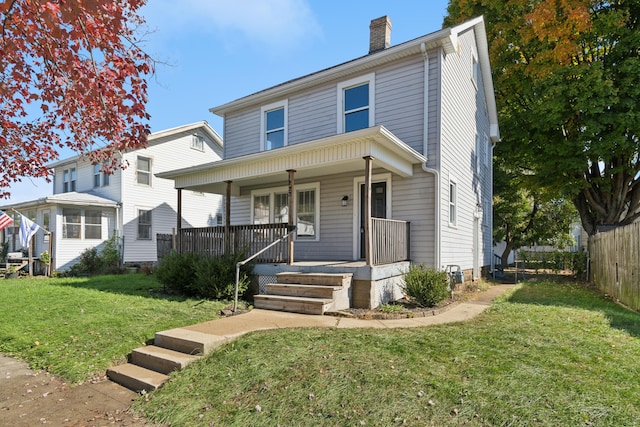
{"x": 214, "y": 51}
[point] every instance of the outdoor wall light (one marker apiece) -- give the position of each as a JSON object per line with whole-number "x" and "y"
{"x": 345, "y": 199}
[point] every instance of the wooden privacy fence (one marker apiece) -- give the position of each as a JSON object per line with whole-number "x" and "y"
{"x": 615, "y": 263}
{"x": 164, "y": 244}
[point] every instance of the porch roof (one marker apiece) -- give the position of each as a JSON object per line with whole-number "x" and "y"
{"x": 320, "y": 157}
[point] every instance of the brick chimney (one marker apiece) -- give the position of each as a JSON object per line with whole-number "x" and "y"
{"x": 379, "y": 34}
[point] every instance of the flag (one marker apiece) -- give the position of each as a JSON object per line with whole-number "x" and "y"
{"x": 27, "y": 229}
{"x": 5, "y": 220}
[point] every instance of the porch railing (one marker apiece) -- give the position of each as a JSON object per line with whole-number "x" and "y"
{"x": 391, "y": 240}
{"x": 248, "y": 238}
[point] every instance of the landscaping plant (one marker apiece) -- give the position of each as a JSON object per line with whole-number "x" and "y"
{"x": 425, "y": 286}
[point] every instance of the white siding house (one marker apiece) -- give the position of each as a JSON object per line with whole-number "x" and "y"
{"x": 88, "y": 206}
{"x": 419, "y": 118}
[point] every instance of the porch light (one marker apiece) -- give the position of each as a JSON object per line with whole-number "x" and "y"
{"x": 345, "y": 199}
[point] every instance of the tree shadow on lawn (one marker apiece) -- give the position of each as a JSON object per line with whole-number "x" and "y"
{"x": 562, "y": 291}
{"x": 123, "y": 284}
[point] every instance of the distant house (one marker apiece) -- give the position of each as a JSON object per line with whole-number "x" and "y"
{"x": 88, "y": 206}
{"x": 408, "y": 127}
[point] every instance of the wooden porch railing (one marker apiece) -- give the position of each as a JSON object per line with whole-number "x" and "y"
{"x": 391, "y": 240}
{"x": 249, "y": 238}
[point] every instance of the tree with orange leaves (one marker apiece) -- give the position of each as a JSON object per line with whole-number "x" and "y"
{"x": 71, "y": 74}
{"x": 567, "y": 76}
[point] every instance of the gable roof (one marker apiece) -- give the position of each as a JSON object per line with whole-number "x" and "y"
{"x": 447, "y": 39}
{"x": 156, "y": 138}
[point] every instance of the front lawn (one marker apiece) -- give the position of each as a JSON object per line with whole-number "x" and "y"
{"x": 547, "y": 354}
{"x": 78, "y": 327}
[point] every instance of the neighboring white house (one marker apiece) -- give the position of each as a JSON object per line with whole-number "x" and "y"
{"x": 88, "y": 206}
{"x": 420, "y": 118}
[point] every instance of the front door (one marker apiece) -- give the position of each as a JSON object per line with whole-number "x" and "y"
{"x": 378, "y": 208}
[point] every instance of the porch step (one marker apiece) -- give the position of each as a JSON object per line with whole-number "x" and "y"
{"x": 136, "y": 378}
{"x": 292, "y": 304}
{"x": 299, "y": 290}
{"x": 320, "y": 279}
{"x": 160, "y": 359}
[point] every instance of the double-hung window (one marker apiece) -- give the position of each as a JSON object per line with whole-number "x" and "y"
{"x": 96, "y": 176}
{"x": 356, "y": 104}
{"x": 273, "y": 126}
{"x": 93, "y": 224}
{"x": 106, "y": 178}
{"x": 453, "y": 202}
{"x": 69, "y": 180}
{"x": 143, "y": 170}
{"x": 71, "y": 223}
{"x": 144, "y": 224}
{"x": 272, "y": 206}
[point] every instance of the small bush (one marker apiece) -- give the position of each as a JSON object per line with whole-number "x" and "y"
{"x": 110, "y": 254}
{"x": 93, "y": 262}
{"x": 215, "y": 277}
{"x": 90, "y": 263}
{"x": 426, "y": 286}
{"x": 176, "y": 271}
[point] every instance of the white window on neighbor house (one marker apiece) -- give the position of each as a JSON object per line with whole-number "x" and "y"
{"x": 197, "y": 142}
{"x": 69, "y": 180}
{"x": 93, "y": 224}
{"x": 106, "y": 178}
{"x": 143, "y": 170}
{"x": 272, "y": 206}
{"x": 356, "y": 104}
{"x": 71, "y": 223}
{"x": 273, "y": 125}
{"x": 96, "y": 176}
{"x": 453, "y": 202}
{"x": 144, "y": 224}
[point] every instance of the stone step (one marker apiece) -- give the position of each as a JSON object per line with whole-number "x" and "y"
{"x": 161, "y": 359}
{"x": 300, "y": 290}
{"x": 292, "y": 304}
{"x": 136, "y": 378}
{"x": 188, "y": 341}
{"x": 321, "y": 279}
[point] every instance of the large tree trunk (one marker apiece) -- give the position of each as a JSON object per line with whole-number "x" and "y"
{"x": 507, "y": 251}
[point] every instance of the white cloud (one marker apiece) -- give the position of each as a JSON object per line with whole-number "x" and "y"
{"x": 272, "y": 23}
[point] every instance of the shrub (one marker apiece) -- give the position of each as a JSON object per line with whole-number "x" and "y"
{"x": 215, "y": 277}
{"x": 176, "y": 271}
{"x": 111, "y": 258}
{"x": 92, "y": 262}
{"x": 426, "y": 286}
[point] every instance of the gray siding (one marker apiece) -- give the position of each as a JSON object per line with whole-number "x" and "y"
{"x": 242, "y": 129}
{"x": 464, "y": 116}
{"x": 312, "y": 115}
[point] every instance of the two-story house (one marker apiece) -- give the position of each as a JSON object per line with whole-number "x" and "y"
{"x": 381, "y": 160}
{"x": 89, "y": 206}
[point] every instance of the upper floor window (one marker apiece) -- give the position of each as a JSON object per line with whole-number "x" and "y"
{"x": 106, "y": 179}
{"x": 96, "y": 176}
{"x": 143, "y": 170}
{"x": 355, "y": 104}
{"x": 144, "y": 225}
{"x": 69, "y": 180}
{"x": 197, "y": 142}
{"x": 273, "y": 124}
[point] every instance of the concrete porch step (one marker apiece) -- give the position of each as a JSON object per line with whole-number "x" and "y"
{"x": 188, "y": 341}
{"x": 292, "y": 304}
{"x": 301, "y": 290}
{"x": 136, "y": 377}
{"x": 161, "y": 359}
{"x": 320, "y": 279}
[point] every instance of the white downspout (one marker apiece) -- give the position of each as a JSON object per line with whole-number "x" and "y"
{"x": 435, "y": 172}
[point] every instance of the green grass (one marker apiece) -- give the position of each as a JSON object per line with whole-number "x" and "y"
{"x": 547, "y": 354}
{"x": 78, "y": 327}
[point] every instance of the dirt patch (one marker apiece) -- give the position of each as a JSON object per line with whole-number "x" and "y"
{"x": 29, "y": 398}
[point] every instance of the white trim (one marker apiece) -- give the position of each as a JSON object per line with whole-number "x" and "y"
{"x": 150, "y": 171}
{"x": 271, "y": 192}
{"x": 137, "y": 217}
{"x": 355, "y": 210}
{"x": 284, "y": 104}
{"x": 357, "y": 81}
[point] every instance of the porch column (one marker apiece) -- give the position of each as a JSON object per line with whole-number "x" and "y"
{"x": 227, "y": 219}
{"x": 368, "y": 244}
{"x": 292, "y": 194}
{"x": 179, "y": 223}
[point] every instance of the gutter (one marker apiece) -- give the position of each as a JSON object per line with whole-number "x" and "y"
{"x": 425, "y": 168}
